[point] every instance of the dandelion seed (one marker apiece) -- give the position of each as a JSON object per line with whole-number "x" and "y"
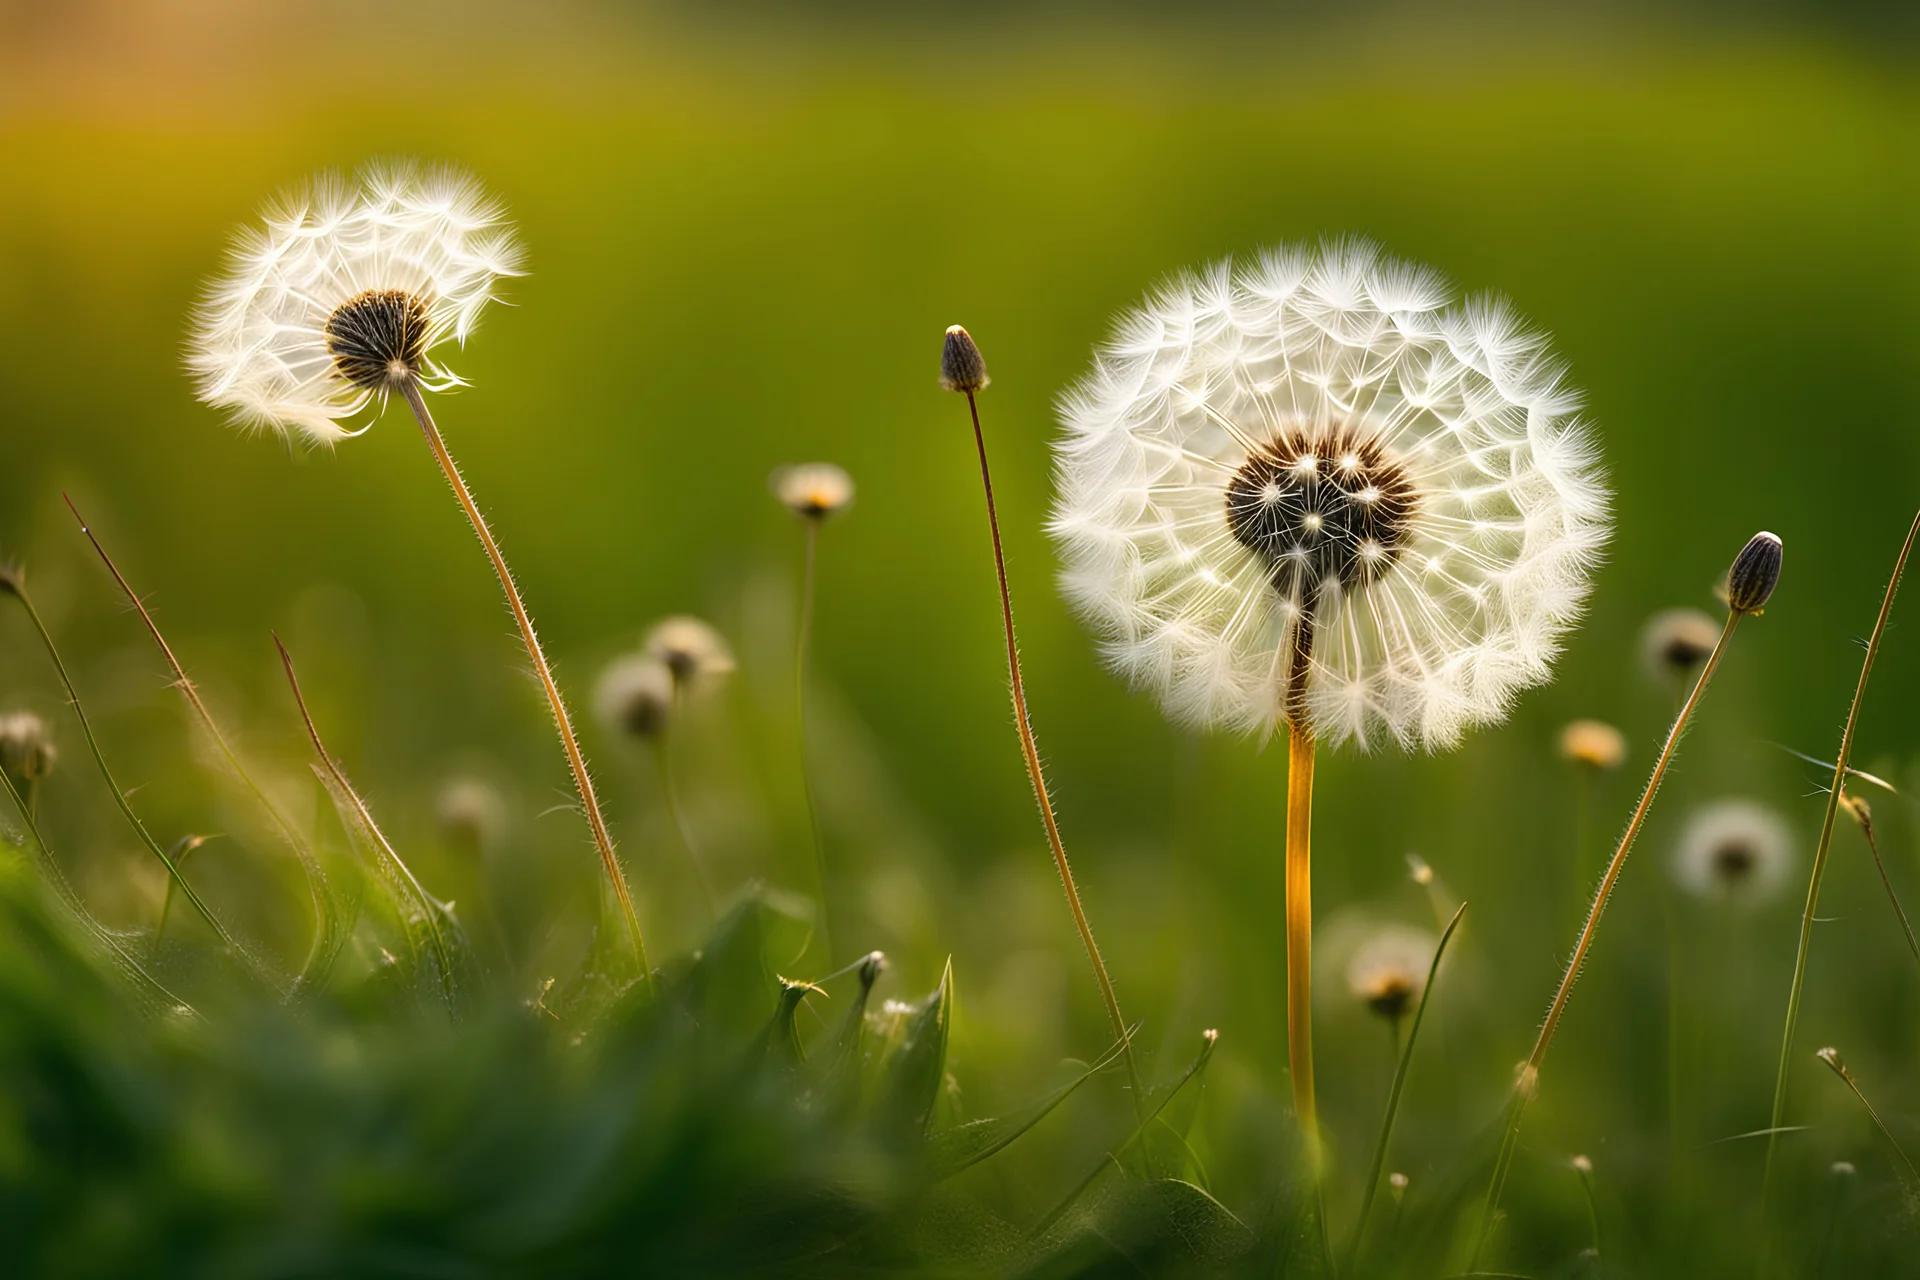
{"x": 690, "y": 648}
{"x": 813, "y": 490}
{"x": 1594, "y": 744}
{"x": 1734, "y": 851}
{"x": 339, "y": 303}
{"x": 1675, "y": 642}
{"x": 345, "y": 294}
{"x": 635, "y": 695}
{"x": 1388, "y": 971}
{"x": 27, "y": 751}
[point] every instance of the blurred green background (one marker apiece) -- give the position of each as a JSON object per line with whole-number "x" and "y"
{"x": 745, "y": 237}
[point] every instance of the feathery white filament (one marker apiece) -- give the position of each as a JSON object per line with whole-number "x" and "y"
{"x": 1457, "y": 402}
{"x": 259, "y": 346}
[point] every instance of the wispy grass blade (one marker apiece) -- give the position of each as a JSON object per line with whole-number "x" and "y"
{"x": 12, "y": 583}
{"x": 152, "y": 991}
{"x": 429, "y": 913}
{"x": 1840, "y": 763}
{"x": 328, "y": 935}
{"x": 1393, "y": 1094}
{"x": 1863, "y": 814}
{"x": 1831, "y": 1057}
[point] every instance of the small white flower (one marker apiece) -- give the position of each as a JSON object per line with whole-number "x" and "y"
{"x": 344, "y": 293}
{"x": 1320, "y": 445}
{"x": 1734, "y": 851}
{"x": 813, "y": 490}
{"x": 635, "y": 695}
{"x": 690, "y": 648}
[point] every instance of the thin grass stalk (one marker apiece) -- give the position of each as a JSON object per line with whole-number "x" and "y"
{"x": 326, "y": 919}
{"x": 157, "y": 995}
{"x": 12, "y": 583}
{"x": 1031, "y": 753}
{"x": 429, "y": 909}
{"x": 181, "y": 848}
{"x": 1529, "y": 1080}
{"x": 563, "y": 724}
{"x": 1400, "y": 1072}
{"x": 1832, "y": 1058}
{"x": 1820, "y": 852}
{"x": 802, "y": 649}
{"x": 1864, "y": 816}
{"x": 1583, "y": 1168}
{"x": 670, "y": 792}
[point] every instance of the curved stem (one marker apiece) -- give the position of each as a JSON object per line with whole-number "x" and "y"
{"x": 1530, "y": 1070}
{"x": 19, "y": 592}
{"x": 802, "y": 647}
{"x": 1820, "y": 860}
{"x": 563, "y": 724}
{"x": 326, "y": 921}
{"x": 1031, "y": 753}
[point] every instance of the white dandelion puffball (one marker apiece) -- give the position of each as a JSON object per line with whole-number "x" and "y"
{"x": 1319, "y": 462}
{"x": 1388, "y": 972}
{"x": 343, "y": 294}
{"x": 1734, "y": 851}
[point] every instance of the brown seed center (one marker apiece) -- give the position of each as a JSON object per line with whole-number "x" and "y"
{"x": 378, "y": 338}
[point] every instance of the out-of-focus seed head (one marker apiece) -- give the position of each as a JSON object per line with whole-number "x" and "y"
{"x": 1734, "y": 852}
{"x": 1677, "y": 641}
{"x": 1831, "y": 1056}
{"x": 813, "y": 490}
{"x": 1389, "y": 970}
{"x": 962, "y": 367}
{"x": 1582, "y": 1166}
{"x": 1594, "y": 744}
{"x": 1842, "y": 1169}
{"x": 635, "y": 695}
{"x": 470, "y": 813}
{"x": 1755, "y": 573}
{"x": 872, "y": 965}
{"x": 1418, "y": 871}
{"x": 1397, "y": 1183}
{"x": 26, "y": 749}
{"x": 689, "y": 647}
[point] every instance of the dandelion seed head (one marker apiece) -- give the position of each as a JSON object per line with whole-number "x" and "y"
{"x": 26, "y": 747}
{"x": 1388, "y": 971}
{"x": 470, "y": 812}
{"x": 1594, "y": 744}
{"x": 1323, "y": 437}
{"x": 343, "y": 293}
{"x": 635, "y": 695}
{"x": 1582, "y": 1166}
{"x": 1734, "y": 851}
{"x": 1676, "y": 641}
{"x": 689, "y": 648}
{"x": 813, "y": 490}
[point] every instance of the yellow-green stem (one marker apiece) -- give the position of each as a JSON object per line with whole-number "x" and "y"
{"x": 1820, "y": 864}
{"x": 1031, "y": 754}
{"x": 802, "y": 647}
{"x": 562, "y": 723}
{"x": 1530, "y": 1071}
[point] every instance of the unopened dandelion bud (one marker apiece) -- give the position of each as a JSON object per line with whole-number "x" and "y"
{"x": 1593, "y": 743}
{"x": 962, "y": 367}
{"x": 872, "y": 965}
{"x": 1755, "y": 573}
{"x": 26, "y": 749}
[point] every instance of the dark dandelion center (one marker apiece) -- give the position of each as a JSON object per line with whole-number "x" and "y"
{"x": 1321, "y": 507}
{"x": 378, "y": 338}
{"x": 1734, "y": 859}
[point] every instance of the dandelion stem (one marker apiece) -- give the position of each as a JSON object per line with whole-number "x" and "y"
{"x": 326, "y": 933}
{"x": 1820, "y": 860}
{"x": 19, "y": 591}
{"x": 1530, "y": 1070}
{"x": 1031, "y": 753}
{"x": 802, "y": 647}
{"x": 670, "y": 791}
{"x": 563, "y": 724}
{"x": 1299, "y": 911}
{"x": 181, "y": 848}
{"x": 1405, "y": 1062}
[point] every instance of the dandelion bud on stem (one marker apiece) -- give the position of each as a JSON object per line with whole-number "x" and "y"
{"x": 962, "y": 367}
{"x": 1755, "y": 573}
